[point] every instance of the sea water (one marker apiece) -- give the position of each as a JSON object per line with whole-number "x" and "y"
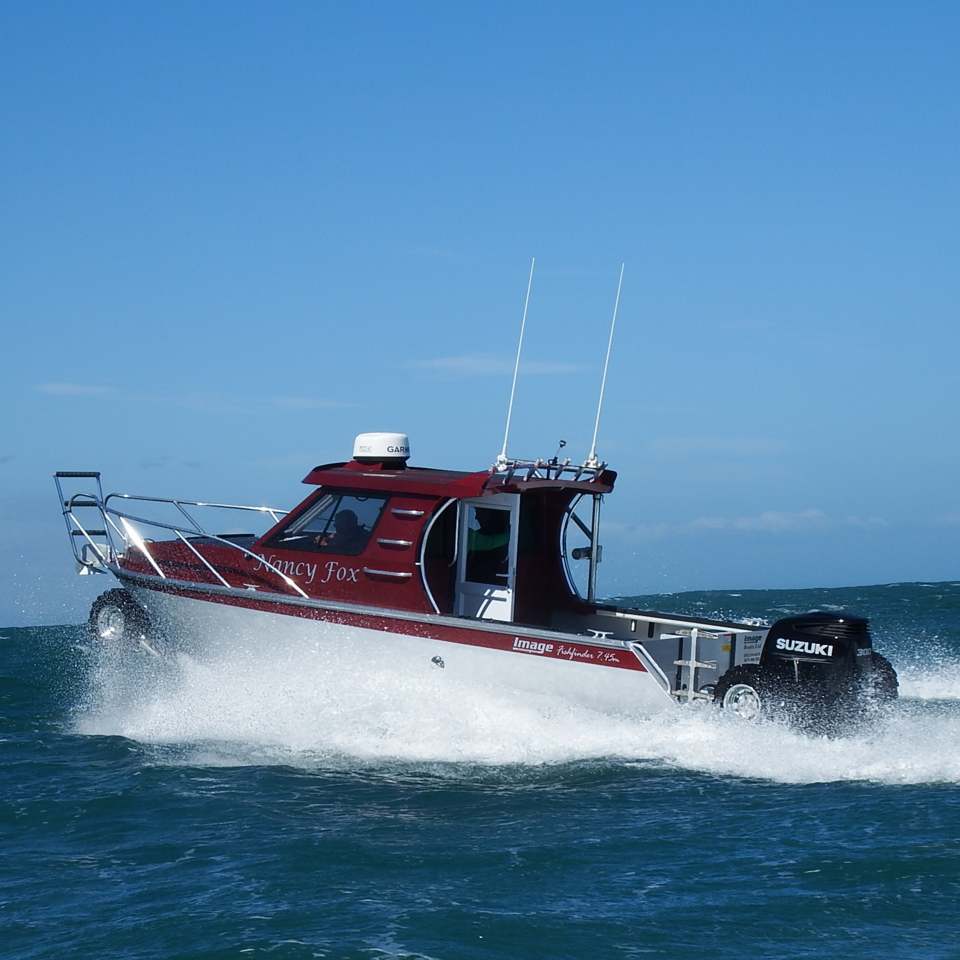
{"x": 270, "y": 799}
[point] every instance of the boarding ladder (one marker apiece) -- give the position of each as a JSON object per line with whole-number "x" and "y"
{"x": 91, "y": 541}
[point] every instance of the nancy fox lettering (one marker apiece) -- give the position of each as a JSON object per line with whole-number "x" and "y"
{"x": 307, "y": 572}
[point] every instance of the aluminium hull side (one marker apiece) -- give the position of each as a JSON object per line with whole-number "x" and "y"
{"x": 607, "y": 678}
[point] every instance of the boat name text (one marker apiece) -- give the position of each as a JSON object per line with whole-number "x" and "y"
{"x": 328, "y": 572}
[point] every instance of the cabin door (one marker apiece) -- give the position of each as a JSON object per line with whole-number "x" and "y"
{"x": 487, "y": 556}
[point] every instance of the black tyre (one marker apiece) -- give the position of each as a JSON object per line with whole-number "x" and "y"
{"x": 749, "y": 691}
{"x": 880, "y": 684}
{"x": 117, "y": 620}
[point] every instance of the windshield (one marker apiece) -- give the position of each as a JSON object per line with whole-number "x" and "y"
{"x": 339, "y": 522}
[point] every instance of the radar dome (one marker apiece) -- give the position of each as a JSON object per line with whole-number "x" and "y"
{"x": 391, "y": 448}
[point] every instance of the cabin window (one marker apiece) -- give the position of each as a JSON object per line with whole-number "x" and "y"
{"x": 488, "y": 545}
{"x": 339, "y": 522}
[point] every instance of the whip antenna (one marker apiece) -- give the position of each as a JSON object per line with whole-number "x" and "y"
{"x": 502, "y": 459}
{"x": 591, "y": 460}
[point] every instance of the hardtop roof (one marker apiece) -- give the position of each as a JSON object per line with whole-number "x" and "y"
{"x": 407, "y": 480}
{"x": 425, "y": 481}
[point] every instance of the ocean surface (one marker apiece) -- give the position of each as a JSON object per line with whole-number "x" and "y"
{"x": 264, "y": 804}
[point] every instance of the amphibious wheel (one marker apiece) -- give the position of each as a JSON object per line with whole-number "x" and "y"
{"x": 748, "y": 691}
{"x": 117, "y": 620}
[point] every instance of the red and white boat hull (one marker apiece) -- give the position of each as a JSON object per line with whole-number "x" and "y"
{"x": 609, "y": 678}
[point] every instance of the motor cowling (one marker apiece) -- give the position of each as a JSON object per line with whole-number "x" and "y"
{"x": 818, "y": 657}
{"x": 827, "y": 640}
{"x": 818, "y": 670}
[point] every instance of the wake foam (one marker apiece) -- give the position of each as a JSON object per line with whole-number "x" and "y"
{"x": 313, "y": 707}
{"x": 939, "y": 682}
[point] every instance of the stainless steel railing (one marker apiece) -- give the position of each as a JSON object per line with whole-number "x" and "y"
{"x": 552, "y": 469}
{"x": 120, "y": 533}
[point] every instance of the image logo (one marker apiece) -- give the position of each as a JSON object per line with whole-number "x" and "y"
{"x": 532, "y": 646}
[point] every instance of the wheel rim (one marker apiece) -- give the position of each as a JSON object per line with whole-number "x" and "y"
{"x": 743, "y": 700}
{"x": 110, "y": 623}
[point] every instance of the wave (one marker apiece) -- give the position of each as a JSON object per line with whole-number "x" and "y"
{"x": 300, "y": 705}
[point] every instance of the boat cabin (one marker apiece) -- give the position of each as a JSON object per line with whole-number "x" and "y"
{"x": 486, "y": 545}
{"x": 377, "y": 533}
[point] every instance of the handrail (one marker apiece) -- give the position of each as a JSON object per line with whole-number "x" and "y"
{"x": 131, "y": 536}
{"x": 422, "y": 561}
{"x": 179, "y": 502}
{"x": 203, "y": 559}
{"x": 688, "y": 624}
{"x": 89, "y": 499}
{"x": 96, "y": 546}
{"x": 653, "y": 667}
{"x": 551, "y": 469}
{"x": 209, "y": 536}
{"x": 564, "y": 553}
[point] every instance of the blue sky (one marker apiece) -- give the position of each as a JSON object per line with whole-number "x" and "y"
{"x": 235, "y": 235}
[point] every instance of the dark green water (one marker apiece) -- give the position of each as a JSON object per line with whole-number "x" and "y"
{"x": 262, "y": 805}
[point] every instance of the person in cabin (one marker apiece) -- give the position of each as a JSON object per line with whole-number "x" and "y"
{"x": 487, "y": 546}
{"x": 349, "y": 535}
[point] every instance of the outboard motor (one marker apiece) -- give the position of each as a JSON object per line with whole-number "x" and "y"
{"x": 818, "y": 669}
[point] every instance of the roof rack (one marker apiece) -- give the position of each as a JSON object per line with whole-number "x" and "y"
{"x": 552, "y": 470}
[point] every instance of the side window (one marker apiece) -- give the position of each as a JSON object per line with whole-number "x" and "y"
{"x": 488, "y": 544}
{"x": 336, "y": 523}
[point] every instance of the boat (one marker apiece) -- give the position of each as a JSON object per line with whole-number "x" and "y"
{"x": 469, "y": 573}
